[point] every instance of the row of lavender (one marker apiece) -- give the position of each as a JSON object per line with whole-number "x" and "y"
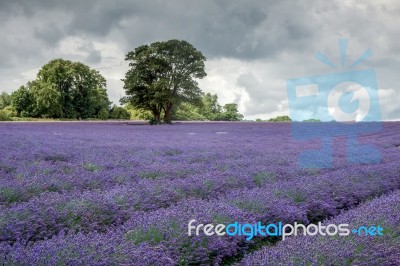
{"x": 56, "y": 158}
{"x": 310, "y": 199}
{"x": 161, "y": 236}
{"x": 353, "y": 249}
{"x": 152, "y": 215}
{"x": 117, "y": 247}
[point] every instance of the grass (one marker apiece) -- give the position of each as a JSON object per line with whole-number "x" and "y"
{"x": 91, "y": 167}
{"x": 10, "y": 195}
{"x": 250, "y": 205}
{"x": 221, "y": 219}
{"x": 296, "y": 196}
{"x": 152, "y": 235}
{"x": 263, "y": 177}
{"x": 173, "y": 152}
{"x": 150, "y": 175}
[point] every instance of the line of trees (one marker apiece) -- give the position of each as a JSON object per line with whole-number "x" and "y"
{"x": 208, "y": 109}
{"x": 282, "y": 118}
{"x": 160, "y": 86}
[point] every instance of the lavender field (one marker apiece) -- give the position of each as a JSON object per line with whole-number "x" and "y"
{"x": 115, "y": 194}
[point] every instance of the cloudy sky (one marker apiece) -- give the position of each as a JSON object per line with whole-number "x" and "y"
{"x": 252, "y": 47}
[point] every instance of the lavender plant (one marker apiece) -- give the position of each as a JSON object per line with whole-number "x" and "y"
{"x": 111, "y": 194}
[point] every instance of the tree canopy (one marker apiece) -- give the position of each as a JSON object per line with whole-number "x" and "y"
{"x": 209, "y": 109}
{"x": 63, "y": 89}
{"x": 162, "y": 76}
{"x": 5, "y": 100}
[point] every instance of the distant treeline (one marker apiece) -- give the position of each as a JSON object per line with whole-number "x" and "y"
{"x": 285, "y": 118}
{"x": 160, "y": 85}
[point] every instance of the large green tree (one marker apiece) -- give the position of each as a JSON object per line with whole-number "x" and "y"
{"x": 78, "y": 85}
{"x": 163, "y": 75}
{"x": 22, "y": 101}
{"x": 63, "y": 89}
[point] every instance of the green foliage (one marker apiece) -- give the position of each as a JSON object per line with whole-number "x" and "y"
{"x": 230, "y": 113}
{"x": 22, "y": 101}
{"x": 154, "y": 121}
{"x": 153, "y": 235}
{"x": 99, "y": 100}
{"x": 187, "y": 111}
{"x": 5, "y": 100}
{"x": 162, "y": 76}
{"x": 46, "y": 100}
{"x": 10, "y": 195}
{"x": 210, "y": 107}
{"x": 283, "y": 118}
{"x": 118, "y": 112}
{"x": 296, "y": 196}
{"x": 312, "y": 120}
{"x": 91, "y": 167}
{"x": 221, "y": 219}
{"x": 250, "y": 205}
{"x": 78, "y": 211}
{"x": 208, "y": 110}
{"x": 103, "y": 114}
{"x": 160, "y": 84}
{"x": 10, "y": 111}
{"x": 62, "y": 89}
{"x": 150, "y": 175}
{"x": 263, "y": 177}
{"x": 79, "y": 86}
{"x": 138, "y": 114}
{"x": 4, "y": 116}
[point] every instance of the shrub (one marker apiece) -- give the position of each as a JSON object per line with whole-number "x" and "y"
{"x": 103, "y": 114}
{"x": 118, "y": 112}
{"x": 10, "y": 111}
{"x": 139, "y": 114}
{"x": 4, "y": 116}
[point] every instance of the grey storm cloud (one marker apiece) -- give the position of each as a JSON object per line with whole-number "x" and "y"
{"x": 279, "y": 37}
{"x": 218, "y": 28}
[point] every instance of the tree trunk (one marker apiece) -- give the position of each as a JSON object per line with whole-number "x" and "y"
{"x": 156, "y": 116}
{"x": 167, "y": 113}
